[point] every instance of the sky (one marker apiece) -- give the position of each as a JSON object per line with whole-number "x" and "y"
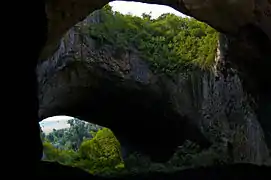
{"x": 134, "y": 8}
{"x": 137, "y": 8}
{"x": 55, "y": 122}
{"x": 57, "y": 118}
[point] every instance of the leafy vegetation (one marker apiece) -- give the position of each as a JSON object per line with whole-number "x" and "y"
{"x": 100, "y": 152}
{"x": 103, "y": 151}
{"x": 98, "y": 149}
{"x": 169, "y": 43}
{"x": 73, "y": 137}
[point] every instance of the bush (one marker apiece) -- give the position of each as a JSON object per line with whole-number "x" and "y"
{"x": 169, "y": 43}
{"x": 99, "y": 155}
{"x": 103, "y": 151}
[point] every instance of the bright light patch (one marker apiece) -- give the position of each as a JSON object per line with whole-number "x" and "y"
{"x": 55, "y": 122}
{"x": 57, "y": 118}
{"x": 137, "y": 9}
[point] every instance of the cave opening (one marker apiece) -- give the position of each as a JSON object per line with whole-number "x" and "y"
{"x": 76, "y": 143}
{"x": 95, "y": 149}
{"x": 136, "y": 112}
{"x": 78, "y": 81}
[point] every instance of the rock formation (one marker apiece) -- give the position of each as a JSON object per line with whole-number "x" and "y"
{"x": 245, "y": 23}
{"x": 120, "y": 91}
{"x": 245, "y": 13}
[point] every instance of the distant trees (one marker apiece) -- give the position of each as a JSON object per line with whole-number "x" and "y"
{"x": 78, "y": 131}
{"x": 72, "y": 137}
{"x": 99, "y": 153}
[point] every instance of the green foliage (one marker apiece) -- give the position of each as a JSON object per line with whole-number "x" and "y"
{"x": 66, "y": 157}
{"x": 190, "y": 155}
{"x": 103, "y": 151}
{"x": 72, "y": 137}
{"x": 101, "y": 154}
{"x": 169, "y": 43}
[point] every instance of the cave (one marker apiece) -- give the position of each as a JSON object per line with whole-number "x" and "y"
{"x": 127, "y": 110}
{"x": 44, "y": 38}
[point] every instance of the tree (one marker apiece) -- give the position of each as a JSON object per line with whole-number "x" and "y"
{"x": 103, "y": 150}
{"x": 72, "y": 137}
{"x": 98, "y": 155}
{"x": 78, "y": 131}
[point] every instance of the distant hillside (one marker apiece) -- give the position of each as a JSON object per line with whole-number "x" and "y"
{"x": 48, "y": 126}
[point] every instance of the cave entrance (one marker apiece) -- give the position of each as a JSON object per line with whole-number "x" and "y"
{"x": 89, "y": 77}
{"x": 95, "y": 149}
{"x": 74, "y": 142}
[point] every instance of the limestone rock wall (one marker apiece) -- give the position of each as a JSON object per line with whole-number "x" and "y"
{"x": 102, "y": 86}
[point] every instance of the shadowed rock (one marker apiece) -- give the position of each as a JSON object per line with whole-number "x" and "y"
{"x": 224, "y": 172}
{"x": 261, "y": 18}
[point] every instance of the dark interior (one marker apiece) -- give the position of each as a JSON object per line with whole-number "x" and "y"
{"x": 34, "y": 32}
